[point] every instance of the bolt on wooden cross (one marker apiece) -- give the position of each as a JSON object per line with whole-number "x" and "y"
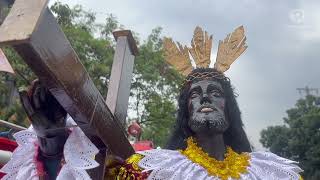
{"x": 31, "y": 29}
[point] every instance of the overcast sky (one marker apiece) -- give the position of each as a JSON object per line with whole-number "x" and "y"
{"x": 283, "y": 38}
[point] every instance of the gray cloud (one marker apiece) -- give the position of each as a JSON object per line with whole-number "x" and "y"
{"x": 283, "y": 48}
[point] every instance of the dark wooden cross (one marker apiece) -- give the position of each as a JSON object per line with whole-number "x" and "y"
{"x": 31, "y": 29}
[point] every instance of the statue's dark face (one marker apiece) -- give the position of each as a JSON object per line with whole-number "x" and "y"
{"x": 206, "y": 105}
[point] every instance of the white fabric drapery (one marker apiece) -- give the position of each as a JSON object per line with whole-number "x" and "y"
{"x": 79, "y": 153}
{"x": 172, "y": 165}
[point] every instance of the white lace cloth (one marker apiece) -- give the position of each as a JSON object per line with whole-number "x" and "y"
{"x": 169, "y": 164}
{"x": 78, "y": 153}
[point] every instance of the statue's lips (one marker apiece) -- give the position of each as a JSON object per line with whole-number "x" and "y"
{"x": 206, "y": 110}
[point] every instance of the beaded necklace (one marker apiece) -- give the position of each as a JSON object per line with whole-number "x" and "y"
{"x": 233, "y": 165}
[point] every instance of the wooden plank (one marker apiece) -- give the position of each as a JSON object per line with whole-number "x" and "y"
{"x": 22, "y": 18}
{"x": 5, "y": 66}
{"x": 11, "y": 125}
{"x": 120, "y": 80}
{"x": 132, "y": 43}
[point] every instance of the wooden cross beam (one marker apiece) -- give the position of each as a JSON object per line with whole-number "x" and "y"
{"x": 34, "y": 33}
{"x": 121, "y": 75}
{"x": 119, "y": 87}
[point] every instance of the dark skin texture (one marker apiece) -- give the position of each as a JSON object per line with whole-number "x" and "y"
{"x": 207, "y": 120}
{"x": 48, "y": 119}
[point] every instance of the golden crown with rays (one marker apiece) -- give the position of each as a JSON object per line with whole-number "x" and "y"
{"x": 201, "y": 44}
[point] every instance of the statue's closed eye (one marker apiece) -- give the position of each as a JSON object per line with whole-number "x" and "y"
{"x": 194, "y": 94}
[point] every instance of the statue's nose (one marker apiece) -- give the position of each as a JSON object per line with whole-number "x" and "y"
{"x": 205, "y": 98}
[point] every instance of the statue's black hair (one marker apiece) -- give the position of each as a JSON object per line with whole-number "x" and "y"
{"x": 234, "y": 136}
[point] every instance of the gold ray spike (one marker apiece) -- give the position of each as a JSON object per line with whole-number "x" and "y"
{"x": 230, "y": 49}
{"x": 201, "y": 45}
{"x": 178, "y": 57}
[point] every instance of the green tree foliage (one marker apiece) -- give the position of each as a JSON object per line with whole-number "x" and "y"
{"x": 155, "y": 86}
{"x": 95, "y": 53}
{"x": 10, "y": 107}
{"x": 159, "y": 118}
{"x": 152, "y": 78}
{"x": 299, "y": 138}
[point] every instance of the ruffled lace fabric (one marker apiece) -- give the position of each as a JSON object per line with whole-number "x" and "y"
{"x": 79, "y": 153}
{"x": 172, "y": 165}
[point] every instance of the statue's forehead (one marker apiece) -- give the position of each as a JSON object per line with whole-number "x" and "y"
{"x": 205, "y": 83}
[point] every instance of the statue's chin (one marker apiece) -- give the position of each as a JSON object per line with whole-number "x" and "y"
{"x": 215, "y": 123}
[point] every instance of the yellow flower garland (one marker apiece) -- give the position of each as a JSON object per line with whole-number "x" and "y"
{"x": 232, "y": 166}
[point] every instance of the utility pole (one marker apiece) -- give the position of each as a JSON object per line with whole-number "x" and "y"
{"x": 308, "y": 91}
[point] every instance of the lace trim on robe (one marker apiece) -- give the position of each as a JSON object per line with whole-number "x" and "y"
{"x": 169, "y": 164}
{"x": 79, "y": 153}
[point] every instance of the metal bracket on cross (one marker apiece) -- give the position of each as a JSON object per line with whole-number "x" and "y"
{"x": 31, "y": 29}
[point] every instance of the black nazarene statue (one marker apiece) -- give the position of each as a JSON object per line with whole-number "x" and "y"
{"x": 208, "y": 141}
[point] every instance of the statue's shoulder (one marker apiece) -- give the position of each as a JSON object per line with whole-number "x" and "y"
{"x": 266, "y": 164}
